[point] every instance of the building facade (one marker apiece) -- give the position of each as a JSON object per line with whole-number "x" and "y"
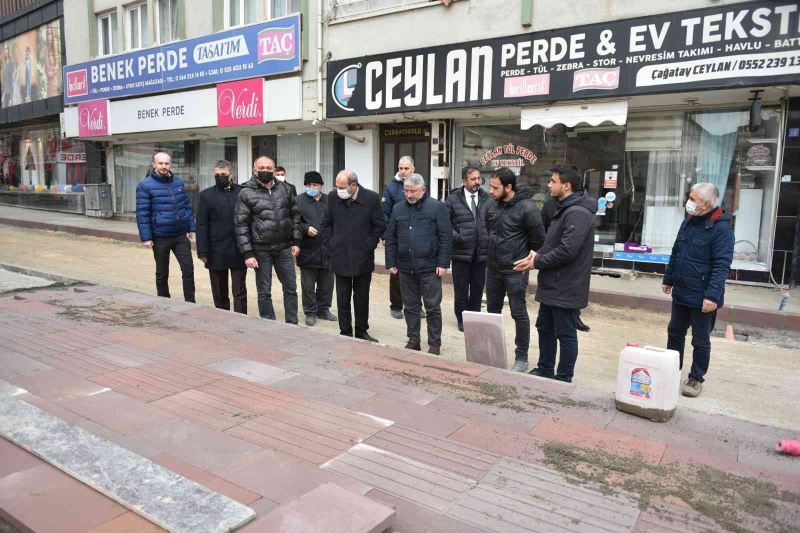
{"x": 202, "y": 80}
{"x": 646, "y": 98}
{"x": 38, "y": 167}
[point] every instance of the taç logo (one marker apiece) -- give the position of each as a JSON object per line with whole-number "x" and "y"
{"x": 93, "y": 118}
{"x": 76, "y": 83}
{"x": 343, "y": 86}
{"x": 595, "y": 78}
{"x": 276, "y": 43}
{"x": 240, "y": 103}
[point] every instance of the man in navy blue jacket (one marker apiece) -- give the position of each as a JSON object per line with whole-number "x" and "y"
{"x": 166, "y": 223}
{"x": 419, "y": 242}
{"x": 698, "y": 267}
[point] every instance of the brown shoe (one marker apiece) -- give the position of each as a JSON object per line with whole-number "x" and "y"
{"x": 692, "y": 388}
{"x": 413, "y": 345}
{"x": 434, "y": 349}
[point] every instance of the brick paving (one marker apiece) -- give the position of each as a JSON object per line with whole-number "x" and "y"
{"x": 284, "y": 419}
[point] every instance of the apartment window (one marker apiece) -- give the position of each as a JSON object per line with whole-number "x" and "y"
{"x": 166, "y": 19}
{"x": 138, "y": 32}
{"x": 239, "y": 12}
{"x": 281, "y": 8}
{"x": 107, "y": 33}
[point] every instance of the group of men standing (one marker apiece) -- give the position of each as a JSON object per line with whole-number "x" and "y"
{"x": 493, "y": 240}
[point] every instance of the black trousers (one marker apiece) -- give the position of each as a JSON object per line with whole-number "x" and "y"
{"x": 358, "y": 288}
{"x": 317, "y": 288}
{"x": 426, "y": 287}
{"x": 556, "y": 327}
{"x": 469, "y": 278}
{"x": 702, "y": 325}
{"x": 515, "y": 285}
{"x": 219, "y": 289}
{"x": 182, "y": 249}
{"x": 395, "y": 295}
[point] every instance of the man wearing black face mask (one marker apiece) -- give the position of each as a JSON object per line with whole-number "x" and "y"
{"x": 216, "y": 240}
{"x": 267, "y": 225}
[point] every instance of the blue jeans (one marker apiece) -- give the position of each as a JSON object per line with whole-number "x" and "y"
{"x": 556, "y": 326}
{"x": 284, "y": 268}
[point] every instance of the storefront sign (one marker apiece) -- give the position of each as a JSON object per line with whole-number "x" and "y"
{"x": 66, "y": 157}
{"x": 93, "y": 118}
{"x": 732, "y": 45}
{"x": 240, "y": 103}
{"x": 498, "y": 157}
{"x": 30, "y": 65}
{"x": 189, "y": 109}
{"x": 263, "y": 49}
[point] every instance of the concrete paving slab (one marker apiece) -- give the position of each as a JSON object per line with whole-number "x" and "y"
{"x": 323, "y": 390}
{"x": 14, "y": 281}
{"x": 328, "y": 508}
{"x": 169, "y": 500}
{"x": 424, "y": 485}
{"x": 485, "y": 339}
{"x": 252, "y": 370}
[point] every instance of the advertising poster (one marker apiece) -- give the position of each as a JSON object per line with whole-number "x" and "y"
{"x": 30, "y": 66}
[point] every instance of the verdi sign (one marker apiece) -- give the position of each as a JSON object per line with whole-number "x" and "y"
{"x": 738, "y": 45}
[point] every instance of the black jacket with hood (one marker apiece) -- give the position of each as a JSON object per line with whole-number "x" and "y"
{"x": 565, "y": 260}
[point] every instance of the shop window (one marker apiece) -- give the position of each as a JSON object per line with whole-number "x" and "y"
{"x": 597, "y": 151}
{"x": 281, "y": 8}
{"x": 239, "y": 12}
{"x": 166, "y": 21}
{"x": 716, "y": 146}
{"x": 37, "y": 159}
{"x": 107, "y": 33}
{"x": 296, "y": 153}
{"x": 191, "y": 160}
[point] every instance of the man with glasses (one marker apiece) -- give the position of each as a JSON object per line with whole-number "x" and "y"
{"x": 216, "y": 240}
{"x": 392, "y": 195}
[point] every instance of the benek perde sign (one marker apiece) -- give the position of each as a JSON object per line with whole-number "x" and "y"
{"x": 734, "y": 45}
{"x": 257, "y": 50}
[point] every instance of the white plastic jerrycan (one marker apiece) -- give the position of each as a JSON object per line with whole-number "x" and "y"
{"x": 648, "y": 382}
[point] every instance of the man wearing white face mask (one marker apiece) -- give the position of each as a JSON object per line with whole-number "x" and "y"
{"x": 698, "y": 267}
{"x": 351, "y": 230}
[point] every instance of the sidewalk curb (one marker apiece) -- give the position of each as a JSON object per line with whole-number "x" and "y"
{"x": 741, "y": 315}
{"x": 58, "y": 280}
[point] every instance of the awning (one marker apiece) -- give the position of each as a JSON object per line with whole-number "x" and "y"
{"x": 594, "y": 113}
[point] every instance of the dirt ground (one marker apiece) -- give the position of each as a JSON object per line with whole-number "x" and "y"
{"x": 754, "y": 380}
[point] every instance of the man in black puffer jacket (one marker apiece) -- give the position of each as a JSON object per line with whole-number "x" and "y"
{"x": 268, "y": 233}
{"x": 515, "y": 229}
{"x": 418, "y": 244}
{"x": 467, "y": 206}
{"x": 565, "y": 268}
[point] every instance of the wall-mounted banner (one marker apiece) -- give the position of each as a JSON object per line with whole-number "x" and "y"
{"x": 240, "y": 103}
{"x": 93, "y": 118}
{"x": 732, "y": 45}
{"x": 258, "y": 50}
